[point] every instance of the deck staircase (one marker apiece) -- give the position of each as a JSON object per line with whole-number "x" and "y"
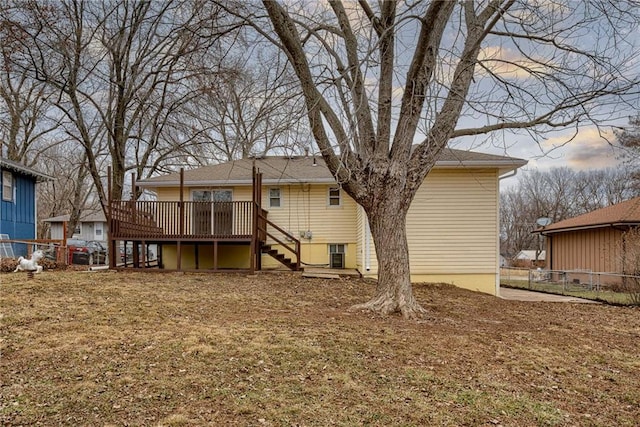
{"x": 287, "y": 242}
{"x": 281, "y": 258}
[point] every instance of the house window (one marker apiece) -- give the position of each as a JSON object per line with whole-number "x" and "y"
{"x": 275, "y": 198}
{"x": 7, "y": 186}
{"x": 337, "y": 253}
{"x": 334, "y": 196}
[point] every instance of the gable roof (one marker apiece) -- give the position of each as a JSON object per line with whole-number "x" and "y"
{"x": 624, "y": 213}
{"x": 84, "y": 217}
{"x": 17, "y": 167}
{"x": 312, "y": 169}
{"x": 531, "y": 255}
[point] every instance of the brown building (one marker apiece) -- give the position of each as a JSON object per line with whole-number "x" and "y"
{"x": 593, "y": 241}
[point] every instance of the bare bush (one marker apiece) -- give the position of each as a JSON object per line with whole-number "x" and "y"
{"x": 631, "y": 264}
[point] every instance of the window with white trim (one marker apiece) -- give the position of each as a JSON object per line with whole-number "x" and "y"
{"x": 337, "y": 254}
{"x": 7, "y": 186}
{"x": 275, "y": 197}
{"x": 335, "y": 198}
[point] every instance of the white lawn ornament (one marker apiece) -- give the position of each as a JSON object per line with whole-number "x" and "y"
{"x": 30, "y": 264}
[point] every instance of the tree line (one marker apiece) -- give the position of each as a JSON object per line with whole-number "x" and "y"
{"x": 562, "y": 193}
{"x": 144, "y": 87}
{"x": 558, "y": 194}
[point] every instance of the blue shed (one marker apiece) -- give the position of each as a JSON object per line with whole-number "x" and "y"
{"x": 18, "y": 205}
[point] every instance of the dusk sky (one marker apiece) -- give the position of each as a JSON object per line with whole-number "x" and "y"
{"x": 586, "y": 150}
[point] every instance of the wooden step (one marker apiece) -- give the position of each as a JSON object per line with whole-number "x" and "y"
{"x": 311, "y": 275}
{"x": 281, "y": 258}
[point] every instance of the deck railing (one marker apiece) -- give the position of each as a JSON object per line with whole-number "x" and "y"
{"x": 148, "y": 220}
{"x": 287, "y": 241}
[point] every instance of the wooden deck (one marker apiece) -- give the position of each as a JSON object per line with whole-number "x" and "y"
{"x": 138, "y": 224}
{"x": 186, "y": 221}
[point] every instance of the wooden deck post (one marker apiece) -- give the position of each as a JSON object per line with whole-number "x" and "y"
{"x": 254, "y": 222}
{"x": 179, "y": 242}
{"x": 215, "y": 255}
{"x": 134, "y": 206}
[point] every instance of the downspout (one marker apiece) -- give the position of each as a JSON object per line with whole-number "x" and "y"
{"x": 549, "y": 255}
{"x": 367, "y": 245}
{"x": 548, "y": 247}
{"x": 510, "y": 175}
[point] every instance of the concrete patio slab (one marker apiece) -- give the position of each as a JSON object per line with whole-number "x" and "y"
{"x": 524, "y": 295}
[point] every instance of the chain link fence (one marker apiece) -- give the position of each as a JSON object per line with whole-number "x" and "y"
{"x": 609, "y": 287}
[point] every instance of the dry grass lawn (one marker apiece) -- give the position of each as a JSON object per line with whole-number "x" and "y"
{"x": 149, "y": 349}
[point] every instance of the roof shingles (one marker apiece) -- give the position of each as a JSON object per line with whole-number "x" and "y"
{"x": 627, "y": 212}
{"x": 279, "y": 169}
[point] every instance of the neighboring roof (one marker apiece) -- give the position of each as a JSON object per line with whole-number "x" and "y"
{"x": 88, "y": 217}
{"x": 17, "y": 167}
{"x": 281, "y": 170}
{"x": 624, "y": 213}
{"x": 531, "y": 255}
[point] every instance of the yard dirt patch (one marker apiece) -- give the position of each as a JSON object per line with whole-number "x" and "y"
{"x": 150, "y": 349}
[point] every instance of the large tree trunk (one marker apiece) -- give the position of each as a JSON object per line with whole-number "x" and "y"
{"x": 394, "y": 292}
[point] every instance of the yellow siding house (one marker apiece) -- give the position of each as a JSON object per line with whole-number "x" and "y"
{"x": 452, "y": 225}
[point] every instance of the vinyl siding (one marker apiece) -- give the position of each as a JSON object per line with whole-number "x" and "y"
{"x": 304, "y": 207}
{"x": 360, "y": 238}
{"x": 87, "y": 231}
{"x": 201, "y": 257}
{"x": 452, "y": 230}
{"x": 57, "y": 230}
{"x": 173, "y": 194}
{"x": 451, "y": 226}
{"x": 452, "y": 223}
{"x": 18, "y": 216}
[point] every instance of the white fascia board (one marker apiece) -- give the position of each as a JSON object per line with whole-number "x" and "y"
{"x": 481, "y": 163}
{"x": 503, "y": 166}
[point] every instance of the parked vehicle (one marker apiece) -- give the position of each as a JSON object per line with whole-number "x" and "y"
{"x": 126, "y": 254}
{"x": 86, "y": 252}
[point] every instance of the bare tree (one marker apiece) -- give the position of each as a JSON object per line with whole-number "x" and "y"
{"x": 557, "y": 194}
{"x": 631, "y": 263}
{"x": 599, "y": 188}
{"x": 25, "y": 119}
{"x": 517, "y": 221}
{"x": 250, "y": 108}
{"x": 629, "y": 137}
{"x": 71, "y": 192}
{"x": 121, "y": 70}
{"x": 629, "y": 140}
{"x": 378, "y": 78}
